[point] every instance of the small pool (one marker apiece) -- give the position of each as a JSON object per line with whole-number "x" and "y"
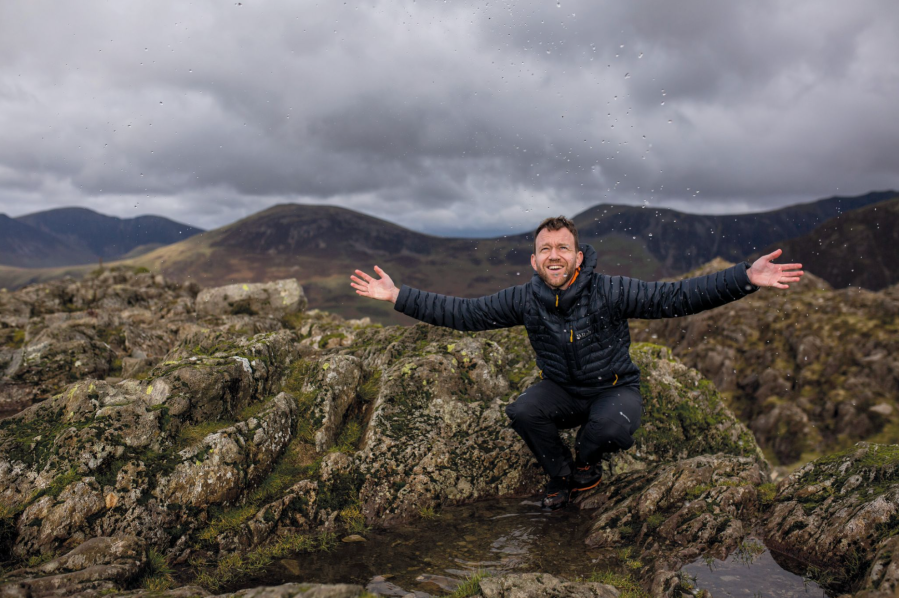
{"x": 431, "y": 557}
{"x": 751, "y": 571}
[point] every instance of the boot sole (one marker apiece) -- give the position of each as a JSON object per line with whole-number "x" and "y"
{"x": 591, "y": 487}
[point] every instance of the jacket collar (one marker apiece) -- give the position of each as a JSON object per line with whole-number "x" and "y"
{"x": 562, "y": 301}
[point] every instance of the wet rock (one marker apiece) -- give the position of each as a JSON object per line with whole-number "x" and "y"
{"x": 882, "y": 578}
{"x": 97, "y": 565}
{"x": 839, "y": 513}
{"x": 539, "y": 585}
{"x": 267, "y": 299}
{"x": 676, "y": 509}
{"x": 297, "y": 590}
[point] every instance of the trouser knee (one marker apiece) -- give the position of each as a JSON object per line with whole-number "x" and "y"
{"x": 522, "y": 413}
{"x": 604, "y": 436}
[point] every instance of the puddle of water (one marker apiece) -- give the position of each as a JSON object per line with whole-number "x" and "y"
{"x": 751, "y": 573}
{"x": 430, "y": 557}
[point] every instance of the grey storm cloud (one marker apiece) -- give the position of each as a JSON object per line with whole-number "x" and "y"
{"x": 448, "y": 117}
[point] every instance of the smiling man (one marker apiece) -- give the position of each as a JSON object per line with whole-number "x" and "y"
{"x": 576, "y": 320}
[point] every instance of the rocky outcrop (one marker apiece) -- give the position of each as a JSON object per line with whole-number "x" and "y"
{"x": 254, "y": 435}
{"x": 268, "y": 299}
{"x": 809, "y": 370}
{"x": 63, "y": 331}
{"x": 97, "y": 567}
{"x": 841, "y": 515}
{"x": 538, "y": 585}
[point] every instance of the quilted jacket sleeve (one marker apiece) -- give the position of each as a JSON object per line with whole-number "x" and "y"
{"x": 632, "y": 298}
{"x": 501, "y": 310}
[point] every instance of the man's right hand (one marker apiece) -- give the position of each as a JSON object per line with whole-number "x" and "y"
{"x": 376, "y": 288}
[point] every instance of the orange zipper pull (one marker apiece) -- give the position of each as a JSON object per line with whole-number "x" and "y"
{"x": 571, "y": 340}
{"x": 616, "y": 380}
{"x": 557, "y": 301}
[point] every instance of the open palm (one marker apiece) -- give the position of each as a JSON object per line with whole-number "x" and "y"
{"x": 377, "y": 288}
{"x": 764, "y": 273}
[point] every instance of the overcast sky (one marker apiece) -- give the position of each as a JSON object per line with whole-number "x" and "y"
{"x": 445, "y": 116}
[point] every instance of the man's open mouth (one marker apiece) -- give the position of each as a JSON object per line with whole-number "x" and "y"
{"x": 555, "y": 268}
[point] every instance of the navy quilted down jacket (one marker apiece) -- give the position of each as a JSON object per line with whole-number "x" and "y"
{"x": 580, "y": 335}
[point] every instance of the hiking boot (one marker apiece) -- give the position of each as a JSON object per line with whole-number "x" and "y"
{"x": 585, "y": 477}
{"x": 556, "y": 494}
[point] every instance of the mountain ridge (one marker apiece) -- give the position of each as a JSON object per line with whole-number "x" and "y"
{"x": 74, "y": 235}
{"x": 322, "y": 245}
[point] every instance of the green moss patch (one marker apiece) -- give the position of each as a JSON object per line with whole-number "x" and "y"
{"x": 235, "y": 567}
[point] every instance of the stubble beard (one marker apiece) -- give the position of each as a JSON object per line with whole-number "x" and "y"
{"x": 547, "y": 279}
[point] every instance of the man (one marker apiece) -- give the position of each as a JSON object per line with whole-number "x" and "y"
{"x": 576, "y": 320}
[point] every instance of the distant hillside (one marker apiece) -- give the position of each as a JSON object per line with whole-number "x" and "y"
{"x": 70, "y": 236}
{"x": 858, "y": 248}
{"x": 681, "y": 242}
{"x": 322, "y": 245}
{"x": 23, "y": 245}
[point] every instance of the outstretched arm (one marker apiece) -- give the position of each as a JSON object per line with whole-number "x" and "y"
{"x": 633, "y": 298}
{"x": 501, "y": 310}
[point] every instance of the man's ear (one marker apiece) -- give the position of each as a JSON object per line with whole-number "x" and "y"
{"x": 580, "y": 258}
{"x": 534, "y": 262}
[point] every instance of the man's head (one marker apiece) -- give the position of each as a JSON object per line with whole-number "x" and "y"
{"x": 556, "y": 252}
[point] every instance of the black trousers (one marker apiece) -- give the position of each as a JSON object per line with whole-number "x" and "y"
{"x": 608, "y": 422}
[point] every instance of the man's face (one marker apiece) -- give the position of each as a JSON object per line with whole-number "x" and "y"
{"x": 556, "y": 257}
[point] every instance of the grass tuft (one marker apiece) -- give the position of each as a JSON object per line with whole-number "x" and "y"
{"x": 235, "y": 567}
{"x": 158, "y": 574}
{"x": 625, "y": 583}
{"x": 471, "y": 586}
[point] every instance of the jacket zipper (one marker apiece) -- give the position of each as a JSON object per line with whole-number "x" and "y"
{"x": 577, "y": 359}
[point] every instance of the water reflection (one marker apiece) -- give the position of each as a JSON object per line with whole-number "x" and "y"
{"x": 431, "y": 557}
{"x": 750, "y": 571}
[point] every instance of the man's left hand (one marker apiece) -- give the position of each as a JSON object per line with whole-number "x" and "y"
{"x": 763, "y": 273}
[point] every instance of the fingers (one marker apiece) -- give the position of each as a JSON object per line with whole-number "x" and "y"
{"x": 773, "y": 255}
{"x": 365, "y": 276}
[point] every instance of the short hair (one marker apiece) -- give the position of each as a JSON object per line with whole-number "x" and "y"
{"x": 558, "y": 223}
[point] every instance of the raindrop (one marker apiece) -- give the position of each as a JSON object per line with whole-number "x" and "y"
{"x": 627, "y": 75}
{"x": 641, "y": 55}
